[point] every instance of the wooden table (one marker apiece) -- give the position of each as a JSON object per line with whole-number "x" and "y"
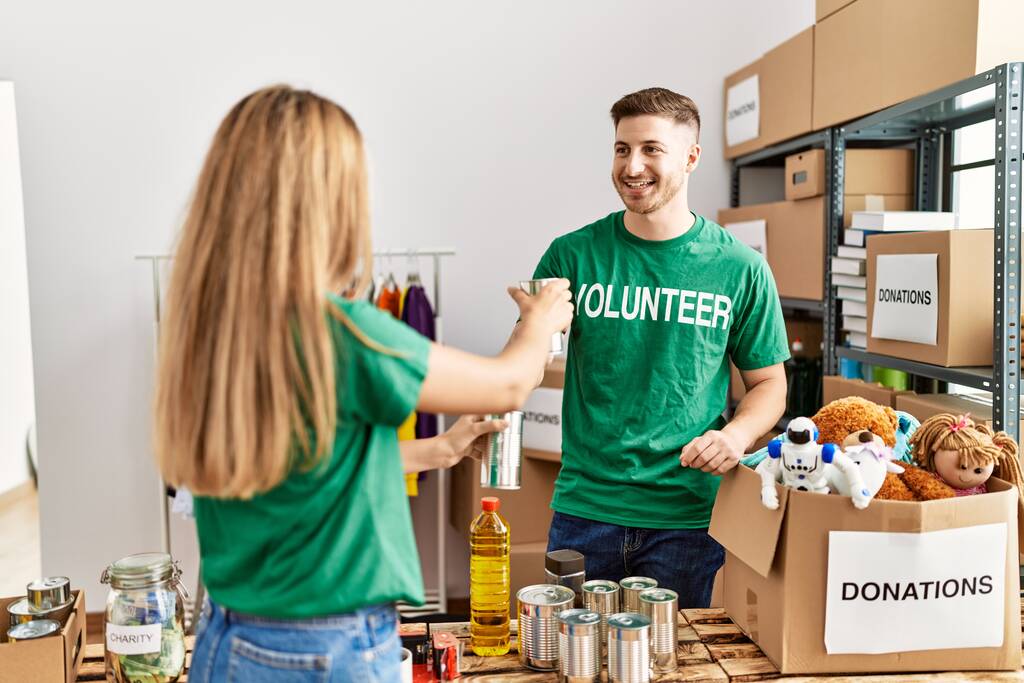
{"x": 711, "y": 649}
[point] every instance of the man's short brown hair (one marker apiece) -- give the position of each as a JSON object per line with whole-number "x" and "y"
{"x": 658, "y": 102}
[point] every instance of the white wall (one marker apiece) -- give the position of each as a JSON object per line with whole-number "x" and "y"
{"x": 488, "y": 129}
{"x": 17, "y": 400}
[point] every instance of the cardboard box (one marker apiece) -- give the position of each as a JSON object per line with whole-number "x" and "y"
{"x": 875, "y": 202}
{"x": 824, "y": 8}
{"x": 47, "y": 660}
{"x": 873, "y": 54}
{"x": 785, "y": 75}
{"x": 923, "y": 406}
{"x": 879, "y": 171}
{"x": 867, "y": 172}
{"x": 805, "y": 174}
{"x": 777, "y": 573}
{"x": 834, "y": 387}
{"x": 527, "y": 510}
{"x": 795, "y": 235}
{"x": 526, "y": 563}
{"x": 554, "y": 375}
{"x": 964, "y": 332}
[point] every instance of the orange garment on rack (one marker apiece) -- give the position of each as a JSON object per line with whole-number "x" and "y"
{"x": 390, "y": 299}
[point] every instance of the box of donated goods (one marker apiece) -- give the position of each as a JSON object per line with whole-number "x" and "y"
{"x": 823, "y": 587}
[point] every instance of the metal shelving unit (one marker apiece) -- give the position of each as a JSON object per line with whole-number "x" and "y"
{"x": 928, "y": 122}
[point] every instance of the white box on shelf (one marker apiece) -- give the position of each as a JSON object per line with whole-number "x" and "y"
{"x": 858, "y": 308}
{"x": 844, "y": 280}
{"x": 904, "y": 221}
{"x": 846, "y": 251}
{"x": 851, "y": 293}
{"x": 848, "y": 266}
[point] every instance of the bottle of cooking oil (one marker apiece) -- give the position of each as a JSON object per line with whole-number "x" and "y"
{"x": 489, "y": 581}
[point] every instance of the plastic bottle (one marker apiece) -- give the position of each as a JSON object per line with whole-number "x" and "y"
{"x": 489, "y": 581}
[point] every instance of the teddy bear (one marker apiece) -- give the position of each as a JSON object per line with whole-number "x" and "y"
{"x": 852, "y": 419}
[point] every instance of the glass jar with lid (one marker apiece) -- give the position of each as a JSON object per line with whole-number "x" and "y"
{"x": 145, "y": 629}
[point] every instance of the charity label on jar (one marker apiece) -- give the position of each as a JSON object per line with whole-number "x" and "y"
{"x": 133, "y": 640}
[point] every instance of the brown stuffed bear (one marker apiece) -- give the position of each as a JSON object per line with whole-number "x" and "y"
{"x": 844, "y": 416}
{"x": 853, "y": 418}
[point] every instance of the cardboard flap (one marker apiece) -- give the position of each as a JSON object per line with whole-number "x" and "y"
{"x": 739, "y": 521}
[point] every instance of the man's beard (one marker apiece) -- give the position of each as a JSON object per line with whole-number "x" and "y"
{"x": 673, "y": 184}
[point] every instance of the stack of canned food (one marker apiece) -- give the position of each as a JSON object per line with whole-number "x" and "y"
{"x": 41, "y": 613}
{"x": 630, "y": 626}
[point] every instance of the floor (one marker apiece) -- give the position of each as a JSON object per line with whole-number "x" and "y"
{"x": 19, "y": 540}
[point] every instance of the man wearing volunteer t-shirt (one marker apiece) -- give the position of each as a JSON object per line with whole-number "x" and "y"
{"x": 664, "y": 299}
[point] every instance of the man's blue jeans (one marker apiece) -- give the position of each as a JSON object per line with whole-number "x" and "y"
{"x": 684, "y": 560}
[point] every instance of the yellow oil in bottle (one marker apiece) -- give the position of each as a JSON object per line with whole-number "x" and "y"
{"x": 489, "y": 581}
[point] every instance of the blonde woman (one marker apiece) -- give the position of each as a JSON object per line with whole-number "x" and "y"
{"x": 278, "y": 402}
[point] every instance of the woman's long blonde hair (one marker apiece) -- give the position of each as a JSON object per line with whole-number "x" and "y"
{"x": 279, "y": 219}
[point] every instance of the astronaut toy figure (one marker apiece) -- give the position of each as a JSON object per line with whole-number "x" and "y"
{"x": 800, "y": 463}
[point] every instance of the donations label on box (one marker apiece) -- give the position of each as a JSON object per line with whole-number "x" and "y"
{"x": 906, "y": 298}
{"x": 902, "y": 592}
{"x": 542, "y": 420}
{"x": 742, "y": 115}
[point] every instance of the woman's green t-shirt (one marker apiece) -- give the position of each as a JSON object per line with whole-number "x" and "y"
{"x": 338, "y": 537}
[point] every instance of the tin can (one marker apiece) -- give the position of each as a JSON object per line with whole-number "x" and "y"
{"x": 539, "y": 607}
{"x": 30, "y": 630}
{"x": 579, "y": 649}
{"x": 533, "y": 287}
{"x": 602, "y": 597}
{"x": 50, "y": 591}
{"x": 566, "y": 568}
{"x": 632, "y": 586}
{"x": 501, "y": 464}
{"x": 661, "y": 606}
{"x": 21, "y": 612}
{"x": 629, "y": 648}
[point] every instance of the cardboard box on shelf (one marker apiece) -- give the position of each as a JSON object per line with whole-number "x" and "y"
{"x": 923, "y": 406}
{"x": 873, "y": 54}
{"x": 963, "y": 313}
{"x": 795, "y": 577}
{"x": 866, "y": 172}
{"x": 47, "y": 660}
{"x": 824, "y": 8}
{"x": 779, "y": 100}
{"x": 805, "y": 174}
{"x": 834, "y": 387}
{"x": 875, "y": 202}
{"x": 795, "y": 234}
{"x": 528, "y": 509}
{"x": 879, "y": 171}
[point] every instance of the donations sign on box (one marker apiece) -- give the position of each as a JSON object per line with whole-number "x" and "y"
{"x": 542, "y": 420}
{"x": 902, "y": 592}
{"x": 906, "y": 298}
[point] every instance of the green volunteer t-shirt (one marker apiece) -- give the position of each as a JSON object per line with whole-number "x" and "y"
{"x": 337, "y": 537}
{"x": 647, "y": 371}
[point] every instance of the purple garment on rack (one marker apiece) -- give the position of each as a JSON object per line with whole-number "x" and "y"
{"x": 419, "y": 315}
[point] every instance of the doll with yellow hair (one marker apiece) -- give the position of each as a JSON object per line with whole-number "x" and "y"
{"x": 965, "y": 454}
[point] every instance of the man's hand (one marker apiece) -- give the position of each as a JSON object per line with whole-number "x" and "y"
{"x": 714, "y": 451}
{"x": 463, "y": 438}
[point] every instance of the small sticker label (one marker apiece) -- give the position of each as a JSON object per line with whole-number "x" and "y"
{"x": 133, "y": 640}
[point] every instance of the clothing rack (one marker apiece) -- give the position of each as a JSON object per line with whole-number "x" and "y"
{"x": 436, "y": 598}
